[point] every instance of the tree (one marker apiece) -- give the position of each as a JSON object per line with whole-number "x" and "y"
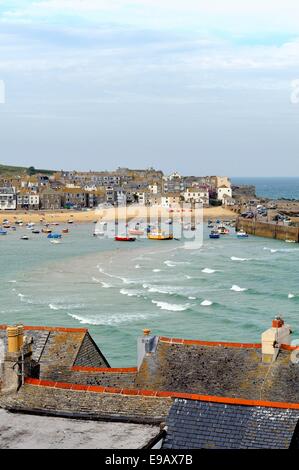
{"x": 31, "y": 171}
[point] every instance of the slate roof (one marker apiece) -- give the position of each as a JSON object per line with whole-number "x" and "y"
{"x": 220, "y": 370}
{"x": 206, "y": 425}
{"x": 60, "y": 348}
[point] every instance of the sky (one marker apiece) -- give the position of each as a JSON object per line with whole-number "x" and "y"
{"x": 198, "y": 86}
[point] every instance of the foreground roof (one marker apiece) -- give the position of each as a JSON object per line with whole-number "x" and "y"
{"x": 205, "y": 425}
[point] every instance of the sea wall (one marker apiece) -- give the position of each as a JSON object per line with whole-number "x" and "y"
{"x": 268, "y": 230}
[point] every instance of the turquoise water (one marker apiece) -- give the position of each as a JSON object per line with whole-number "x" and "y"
{"x": 117, "y": 289}
{"x": 273, "y": 188}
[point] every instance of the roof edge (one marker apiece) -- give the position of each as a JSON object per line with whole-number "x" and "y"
{"x": 160, "y": 394}
{"x": 51, "y": 328}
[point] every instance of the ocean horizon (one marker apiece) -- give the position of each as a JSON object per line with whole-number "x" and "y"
{"x": 275, "y": 187}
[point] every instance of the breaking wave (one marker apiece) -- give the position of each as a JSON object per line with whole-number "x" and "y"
{"x": 171, "y": 307}
{"x": 112, "y": 320}
{"x": 208, "y": 271}
{"x": 236, "y": 288}
{"x": 206, "y": 303}
{"x": 235, "y": 258}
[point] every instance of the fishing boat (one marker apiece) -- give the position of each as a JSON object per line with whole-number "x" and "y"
{"x": 124, "y": 239}
{"x": 159, "y": 236}
{"x": 223, "y": 230}
{"x": 242, "y": 234}
{"x": 214, "y": 234}
{"x": 3, "y": 232}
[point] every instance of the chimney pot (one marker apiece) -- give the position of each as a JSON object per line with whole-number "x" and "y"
{"x": 12, "y": 339}
{"x": 20, "y": 336}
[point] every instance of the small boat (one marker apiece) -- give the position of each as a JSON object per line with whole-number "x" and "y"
{"x": 70, "y": 221}
{"x": 6, "y": 225}
{"x": 24, "y": 237}
{"x": 214, "y": 234}
{"x": 159, "y": 236}
{"x": 290, "y": 241}
{"x": 124, "y": 239}
{"x": 3, "y": 232}
{"x": 99, "y": 234}
{"x": 54, "y": 223}
{"x": 54, "y": 235}
{"x": 210, "y": 225}
{"x": 35, "y": 231}
{"x": 65, "y": 230}
{"x": 135, "y": 231}
{"x": 14, "y": 228}
{"x": 55, "y": 242}
{"x": 46, "y": 230}
{"x": 242, "y": 234}
{"x": 223, "y": 230}
{"x": 169, "y": 221}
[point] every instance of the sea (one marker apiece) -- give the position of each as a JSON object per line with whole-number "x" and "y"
{"x": 228, "y": 289}
{"x": 272, "y": 188}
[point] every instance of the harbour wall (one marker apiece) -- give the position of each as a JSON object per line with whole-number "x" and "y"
{"x": 268, "y": 230}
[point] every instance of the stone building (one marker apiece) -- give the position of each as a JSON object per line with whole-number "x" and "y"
{"x": 50, "y": 199}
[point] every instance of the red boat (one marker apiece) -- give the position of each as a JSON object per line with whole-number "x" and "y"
{"x": 125, "y": 239}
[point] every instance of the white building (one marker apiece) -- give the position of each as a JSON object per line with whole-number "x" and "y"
{"x": 195, "y": 195}
{"x": 224, "y": 192}
{"x": 8, "y": 199}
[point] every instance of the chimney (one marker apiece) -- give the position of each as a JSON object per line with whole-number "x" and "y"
{"x": 273, "y": 338}
{"x": 17, "y": 360}
{"x": 146, "y": 345}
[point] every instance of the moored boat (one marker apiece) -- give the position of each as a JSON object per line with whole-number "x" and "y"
{"x": 24, "y": 237}
{"x": 54, "y": 235}
{"x": 223, "y": 230}
{"x": 214, "y": 234}
{"x": 3, "y": 232}
{"x": 158, "y": 235}
{"x": 242, "y": 234}
{"x": 124, "y": 239}
{"x": 134, "y": 231}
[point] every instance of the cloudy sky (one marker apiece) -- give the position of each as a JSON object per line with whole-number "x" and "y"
{"x": 199, "y": 86}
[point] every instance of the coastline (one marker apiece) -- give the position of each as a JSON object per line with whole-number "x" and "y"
{"x": 63, "y": 216}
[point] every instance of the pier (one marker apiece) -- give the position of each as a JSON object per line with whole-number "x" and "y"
{"x": 268, "y": 230}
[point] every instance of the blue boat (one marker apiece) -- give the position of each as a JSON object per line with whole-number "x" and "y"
{"x": 54, "y": 235}
{"x": 214, "y": 234}
{"x": 3, "y": 232}
{"x": 242, "y": 234}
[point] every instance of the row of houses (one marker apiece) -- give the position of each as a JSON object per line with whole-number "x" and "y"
{"x": 88, "y": 190}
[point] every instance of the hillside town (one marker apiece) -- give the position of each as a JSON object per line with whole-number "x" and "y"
{"x": 86, "y": 190}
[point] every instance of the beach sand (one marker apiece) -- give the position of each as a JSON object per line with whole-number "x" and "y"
{"x": 90, "y": 216}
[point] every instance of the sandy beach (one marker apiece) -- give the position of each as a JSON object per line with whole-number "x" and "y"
{"x": 91, "y": 216}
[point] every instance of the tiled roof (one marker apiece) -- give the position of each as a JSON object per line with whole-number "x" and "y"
{"x": 203, "y": 425}
{"x": 219, "y": 369}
